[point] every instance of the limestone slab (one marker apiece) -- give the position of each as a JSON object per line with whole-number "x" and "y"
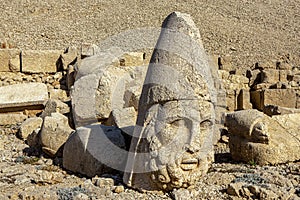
{"x": 23, "y": 95}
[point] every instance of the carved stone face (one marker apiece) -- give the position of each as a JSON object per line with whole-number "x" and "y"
{"x": 178, "y": 134}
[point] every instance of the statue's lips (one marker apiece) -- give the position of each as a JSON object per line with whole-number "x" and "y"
{"x": 189, "y": 164}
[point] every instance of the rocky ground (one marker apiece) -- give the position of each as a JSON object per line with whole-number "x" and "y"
{"x": 247, "y": 31}
{"x": 25, "y": 173}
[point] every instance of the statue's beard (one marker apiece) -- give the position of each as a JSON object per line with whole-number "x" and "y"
{"x": 180, "y": 173}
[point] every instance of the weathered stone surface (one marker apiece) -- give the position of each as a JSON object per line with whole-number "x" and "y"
{"x": 11, "y": 118}
{"x": 70, "y": 76}
{"x": 258, "y": 138}
{"x": 284, "y": 75}
{"x": 254, "y": 77}
{"x": 124, "y": 119}
{"x": 95, "y": 64}
{"x": 243, "y": 100}
{"x": 290, "y": 122}
{"x": 270, "y": 76}
{"x": 14, "y": 64}
{"x": 110, "y": 91}
{"x": 284, "y": 66}
{"x": 29, "y": 126}
{"x": 67, "y": 58}
{"x": 54, "y": 133}
{"x": 233, "y": 84}
{"x": 5, "y": 56}
{"x": 224, "y": 63}
{"x": 83, "y": 97}
{"x": 278, "y": 110}
{"x": 95, "y": 150}
{"x": 175, "y": 102}
{"x": 262, "y": 86}
{"x": 231, "y": 100}
{"x": 133, "y": 88}
{"x": 89, "y": 50}
{"x": 280, "y": 97}
{"x": 103, "y": 182}
{"x": 37, "y": 61}
{"x": 55, "y": 105}
{"x": 132, "y": 59}
{"x": 59, "y": 94}
{"x": 181, "y": 194}
{"x": 110, "y": 87}
{"x": 23, "y": 95}
{"x": 266, "y": 65}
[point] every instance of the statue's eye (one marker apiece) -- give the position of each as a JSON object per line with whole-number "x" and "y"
{"x": 206, "y": 124}
{"x": 177, "y": 122}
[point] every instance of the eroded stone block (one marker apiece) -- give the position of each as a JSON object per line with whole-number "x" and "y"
{"x": 37, "y": 61}
{"x": 6, "y": 57}
{"x": 243, "y": 100}
{"x": 95, "y": 150}
{"x": 83, "y": 97}
{"x": 270, "y": 76}
{"x": 280, "y": 97}
{"x": 54, "y": 133}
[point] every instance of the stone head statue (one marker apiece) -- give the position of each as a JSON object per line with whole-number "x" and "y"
{"x": 171, "y": 146}
{"x": 259, "y": 138}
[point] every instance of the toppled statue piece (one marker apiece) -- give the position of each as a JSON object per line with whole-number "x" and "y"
{"x": 172, "y": 142}
{"x": 256, "y": 137}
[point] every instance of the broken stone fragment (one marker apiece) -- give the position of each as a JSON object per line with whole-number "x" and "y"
{"x": 256, "y": 137}
{"x": 59, "y": 94}
{"x": 6, "y": 55}
{"x": 83, "y": 97}
{"x": 54, "y": 133}
{"x": 101, "y": 87}
{"x": 29, "y": 126}
{"x": 69, "y": 57}
{"x": 124, "y": 119}
{"x": 270, "y": 76}
{"x": 88, "y": 50}
{"x": 95, "y": 150}
{"x": 132, "y": 59}
{"x": 243, "y": 100}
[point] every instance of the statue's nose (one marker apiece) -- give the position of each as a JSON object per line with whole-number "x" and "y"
{"x": 191, "y": 147}
{"x": 193, "y": 143}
